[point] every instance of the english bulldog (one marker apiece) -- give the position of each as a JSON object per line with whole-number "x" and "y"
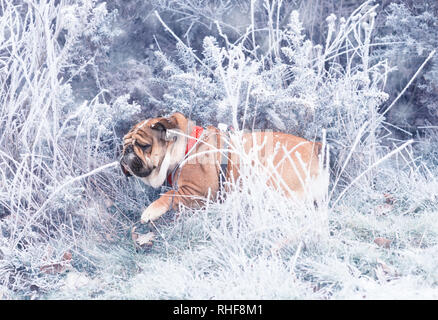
{"x": 195, "y": 162}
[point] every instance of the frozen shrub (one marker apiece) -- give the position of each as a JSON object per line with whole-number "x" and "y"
{"x": 409, "y": 28}
{"x": 301, "y": 89}
{"x": 85, "y": 32}
{"x": 103, "y": 119}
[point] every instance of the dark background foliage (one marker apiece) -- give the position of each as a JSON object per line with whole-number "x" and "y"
{"x": 125, "y": 61}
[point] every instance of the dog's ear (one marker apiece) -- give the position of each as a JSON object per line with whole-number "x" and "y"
{"x": 165, "y": 126}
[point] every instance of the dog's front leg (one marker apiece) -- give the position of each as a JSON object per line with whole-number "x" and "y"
{"x": 160, "y": 206}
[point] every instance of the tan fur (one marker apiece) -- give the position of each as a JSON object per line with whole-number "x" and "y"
{"x": 198, "y": 178}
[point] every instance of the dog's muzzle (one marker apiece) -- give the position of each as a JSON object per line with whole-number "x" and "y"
{"x": 131, "y": 164}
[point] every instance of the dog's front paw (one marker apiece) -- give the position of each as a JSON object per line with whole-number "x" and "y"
{"x": 146, "y": 216}
{"x": 152, "y": 213}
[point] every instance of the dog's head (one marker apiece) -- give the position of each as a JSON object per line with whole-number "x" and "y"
{"x": 150, "y": 145}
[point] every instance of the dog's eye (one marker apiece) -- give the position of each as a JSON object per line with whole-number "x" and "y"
{"x": 144, "y": 146}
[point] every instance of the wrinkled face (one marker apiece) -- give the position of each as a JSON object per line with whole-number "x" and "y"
{"x": 144, "y": 148}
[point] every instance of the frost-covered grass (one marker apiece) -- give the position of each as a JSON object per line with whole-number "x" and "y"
{"x": 65, "y": 218}
{"x": 267, "y": 247}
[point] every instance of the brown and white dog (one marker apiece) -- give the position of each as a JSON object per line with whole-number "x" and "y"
{"x": 191, "y": 159}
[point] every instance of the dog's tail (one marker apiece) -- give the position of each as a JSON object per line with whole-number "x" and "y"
{"x": 318, "y": 188}
{"x": 317, "y": 148}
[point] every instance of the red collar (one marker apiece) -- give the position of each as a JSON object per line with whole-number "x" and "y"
{"x": 196, "y": 134}
{"x": 194, "y": 137}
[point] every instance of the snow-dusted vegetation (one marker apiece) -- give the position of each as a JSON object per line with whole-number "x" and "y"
{"x": 359, "y": 76}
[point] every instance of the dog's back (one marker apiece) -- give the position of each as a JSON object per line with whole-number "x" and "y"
{"x": 292, "y": 162}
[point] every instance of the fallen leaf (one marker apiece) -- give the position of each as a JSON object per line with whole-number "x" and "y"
{"x": 382, "y": 242}
{"x": 109, "y": 237}
{"x": 52, "y": 269}
{"x": 34, "y": 287}
{"x": 389, "y": 198}
{"x": 58, "y": 267}
{"x": 145, "y": 239}
{"x": 384, "y": 267}
{"x": 108, "y": 203}
{"x": 67, "y": 256}
{"x": 383, "y": 209}
{"x": 385, "y": 272}
{"x": 134, "y": 235}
